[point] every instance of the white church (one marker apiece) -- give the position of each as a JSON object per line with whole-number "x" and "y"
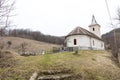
{"x": 84, "y": 39}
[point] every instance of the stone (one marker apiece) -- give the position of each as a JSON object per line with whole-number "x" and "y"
{"x": 34, "y": 76}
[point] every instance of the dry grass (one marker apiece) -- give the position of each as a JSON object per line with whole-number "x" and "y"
{"x": 32, "y": 45}
{"x": 91, "y": 65}
{"x": 6, "y": 59}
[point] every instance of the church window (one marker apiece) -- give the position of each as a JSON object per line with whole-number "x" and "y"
{"x": 93, "y": 43}
{"x": 75, "y": 42}
{"x": 101, "y": 44}
{"x": 93, "y": 29}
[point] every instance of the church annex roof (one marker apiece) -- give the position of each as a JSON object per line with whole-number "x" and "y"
{"x": 81, "y": 31}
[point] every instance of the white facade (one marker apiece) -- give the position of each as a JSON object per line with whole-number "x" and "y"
{"x": 97, "y": 44}
{"x": 84, "y": 42}
{"x": 95, "y": 29}
{"x": 83, "y": 39}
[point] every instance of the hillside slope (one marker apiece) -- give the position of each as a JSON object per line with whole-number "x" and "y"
{"x": 109, "y": 38}
{"x": 31, "y": 45}
{"x": 86, "y": 65}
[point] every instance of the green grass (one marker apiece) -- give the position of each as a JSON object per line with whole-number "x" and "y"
{"x": 91, "y": 65}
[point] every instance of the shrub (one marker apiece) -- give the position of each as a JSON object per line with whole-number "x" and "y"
{"x": 9, "y": 43}
{"x": 6, "y": 59}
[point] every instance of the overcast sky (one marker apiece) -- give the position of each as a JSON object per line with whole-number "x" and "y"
{"x": 59, "y": 17}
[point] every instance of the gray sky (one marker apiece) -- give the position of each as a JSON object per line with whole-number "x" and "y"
{"x": 59, "y": 17}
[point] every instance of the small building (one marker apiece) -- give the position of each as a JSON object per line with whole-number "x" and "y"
{"x": 83, "y": 39}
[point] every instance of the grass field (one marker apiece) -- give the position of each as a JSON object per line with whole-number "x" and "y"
{"x": 91, "y": 65}
{"x": 32, "y": 45}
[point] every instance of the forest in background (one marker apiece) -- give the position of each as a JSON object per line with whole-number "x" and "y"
{"x": 109, "y": 38}
{"x": 34, "y": 35}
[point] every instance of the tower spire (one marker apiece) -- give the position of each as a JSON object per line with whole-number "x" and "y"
{"x": 93, "y": 20}
{"x": 94, "y": 27}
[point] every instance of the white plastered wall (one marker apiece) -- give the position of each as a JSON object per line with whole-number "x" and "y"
{"x": 85, "y": 41}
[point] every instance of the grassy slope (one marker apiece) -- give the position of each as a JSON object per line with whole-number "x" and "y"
{"x": 91, "y": 65}
{"x": 32, "y": 44}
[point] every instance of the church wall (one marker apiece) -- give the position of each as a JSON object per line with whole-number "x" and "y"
{"x": 97, "y": 44}
{"x": 85, "y": 42}
{"x": 82, "y": 41}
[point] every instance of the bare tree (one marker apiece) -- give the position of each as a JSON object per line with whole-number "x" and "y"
{"x": 23, "y": 48}
{"x": 118, "y": 20}
{"x": 6, "y": 6}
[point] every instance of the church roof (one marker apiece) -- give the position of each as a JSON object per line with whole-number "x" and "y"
{"x": 81, "y": 31}
{"x": 94, "y": 22}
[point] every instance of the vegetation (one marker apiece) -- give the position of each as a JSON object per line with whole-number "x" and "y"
{"x": 112, "y": 42}
{"x": 89, "y": 65}
{"x": 34, "y": 35}
{"x": 109, "y": 38}
{"x": 6, "y": 7}
{"x": 20, "y": 45}
{"x": 6, "y": 59}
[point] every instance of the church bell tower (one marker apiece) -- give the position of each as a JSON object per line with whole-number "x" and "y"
{"x": 94, "y": 27}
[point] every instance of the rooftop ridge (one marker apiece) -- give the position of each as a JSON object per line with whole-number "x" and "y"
{"x": 81, "y": 31}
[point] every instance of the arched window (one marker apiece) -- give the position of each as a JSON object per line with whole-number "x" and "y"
{"x": 93, "y": 43}
{"x": 93, "y": 29}
{"x": 101, "y": 44}
{"x": 75, "y": 42}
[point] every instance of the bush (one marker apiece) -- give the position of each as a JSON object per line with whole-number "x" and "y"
{"x": 9, "y": 43}
{"x": 6, "y": 59}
